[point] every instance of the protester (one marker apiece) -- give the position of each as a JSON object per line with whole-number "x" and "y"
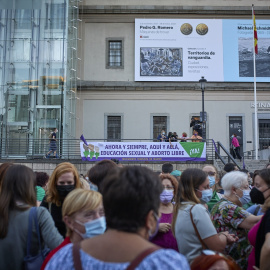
{"x": 3, "y": 169}
{"x": 164, "y": 237}
{"x": 212, "y": 173}
{"x": 80, "y": 208}
{"x": 211, "y": 260}
{"x": 42, "y": 179}
{"x": 162, "y": 136}
{"x": 236, "y": 147}
{"x": 184, "y": 137}
{"x": 176, "y": 174}
{"x": 18, "y": 196}
{"x": 191, "y": 224}
{"x": 99, "y": 171}
{"x": 229, "y": 167}
{"x": 259, "y": 235}
{"x": 256, "y": 209}
{"x": 53, "y": 145}
{"x": 228, "y": 215}
{"x": 167, "y": 167}
{"x": 131, "y": 198}
{"x": 195, "y": 137}
{"x": 63, "y": 180}
{"x": 172, "y": 136}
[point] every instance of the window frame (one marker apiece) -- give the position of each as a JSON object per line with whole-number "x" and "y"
{"x": 108, "y": 40}
{"x": 106, "y": 115}
{"x": 152, "y": 123}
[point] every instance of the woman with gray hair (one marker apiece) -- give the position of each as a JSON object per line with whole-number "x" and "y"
{"x": 228, "y": 215}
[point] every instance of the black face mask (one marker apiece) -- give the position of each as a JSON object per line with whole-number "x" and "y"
{"x": 63, "y": 190}
{"x": 257, "y": 196}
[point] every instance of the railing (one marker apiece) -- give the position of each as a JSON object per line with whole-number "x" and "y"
{"x": 224, "y": 158}
{"x": 66, "y": 148}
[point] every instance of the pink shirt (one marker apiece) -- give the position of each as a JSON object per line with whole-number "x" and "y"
{"x": 252, "y": 239}
{"x": 235, "y": 142}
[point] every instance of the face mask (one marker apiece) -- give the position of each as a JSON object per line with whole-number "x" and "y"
{"x": 246, "y": 197}
{"x": 212, "y": 180}
{"x": 64, "y": 190}
{"x": 163, "y": 133}
{"x": 151, "y": 236}
{"x": 92, "y": 228}
{"x": 257, "y": 196}
{"x": 206, "y": 195}
{"x": 166, "y": 196}
{"x": 195, "y": 134}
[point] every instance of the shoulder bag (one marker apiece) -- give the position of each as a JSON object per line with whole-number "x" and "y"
{"x": 34, "y": 262}
{"x": 196, "y": 230}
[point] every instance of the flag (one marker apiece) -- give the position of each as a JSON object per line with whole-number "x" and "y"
{"x": 255, "y": 34}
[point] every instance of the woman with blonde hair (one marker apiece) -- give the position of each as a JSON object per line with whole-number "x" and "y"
{"x": 63, "y": 180}
{"x": 192, "y": 226}
{"x": 82, "y": 209}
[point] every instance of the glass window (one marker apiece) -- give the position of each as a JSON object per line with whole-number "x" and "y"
{"x": 18, "y": 108}
{"x": 264, "y": 133}
{"x": 55, "y": 16}
{"x": 159, "y": 123}
{"x": 114, "y": 128}
{"x": 114, "y": 53}
{"x": 23, "y": 18}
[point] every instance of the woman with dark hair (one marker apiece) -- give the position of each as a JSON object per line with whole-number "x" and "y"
{"x": 164, "y": 237}
{"x": 192, "y": 226}
{"x": 41, "y": 180}
{"x": 3, "y": 169}
{"x": 131, "y": 203}
{"x": 259, "y": 235}
{"x": 16, "y": 199}
{"x": 64, "y": 179}
{"x": 98, "y": 172}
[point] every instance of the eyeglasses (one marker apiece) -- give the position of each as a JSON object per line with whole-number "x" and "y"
{"x": 168, "y": 187}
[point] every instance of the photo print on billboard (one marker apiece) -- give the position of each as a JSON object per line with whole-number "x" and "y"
{"x": 245, "y": 53}
{"x": 161, "y": 61}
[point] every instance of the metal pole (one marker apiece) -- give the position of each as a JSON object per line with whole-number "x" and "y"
{"x": 203, "y": 123}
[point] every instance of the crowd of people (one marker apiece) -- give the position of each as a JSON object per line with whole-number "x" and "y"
{"x": 173, "y": 137}
{"x": 130, "y": 217}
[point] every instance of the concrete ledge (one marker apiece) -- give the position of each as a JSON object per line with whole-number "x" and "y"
{"x": 83, "y": 167}
{"x": 150, "y": 9}
{"x": 168, "y": 86}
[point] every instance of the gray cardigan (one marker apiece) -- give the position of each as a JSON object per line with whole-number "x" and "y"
{"x": 13, "y": 246}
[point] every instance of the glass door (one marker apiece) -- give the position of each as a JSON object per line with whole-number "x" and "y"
{"x": 48, "y": 118}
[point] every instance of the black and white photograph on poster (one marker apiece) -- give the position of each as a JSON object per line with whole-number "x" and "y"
{"x": 161, "y": 61}
{"x": 245, "y": 53}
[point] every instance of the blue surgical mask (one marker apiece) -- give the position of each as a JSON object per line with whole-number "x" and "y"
{"x": 166, "y": 196}
{"x": 212, "y": 180}
{"x": 246, "y": 197}
{"x": 92, "y": 228}
{"x": 206, "y": 195}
